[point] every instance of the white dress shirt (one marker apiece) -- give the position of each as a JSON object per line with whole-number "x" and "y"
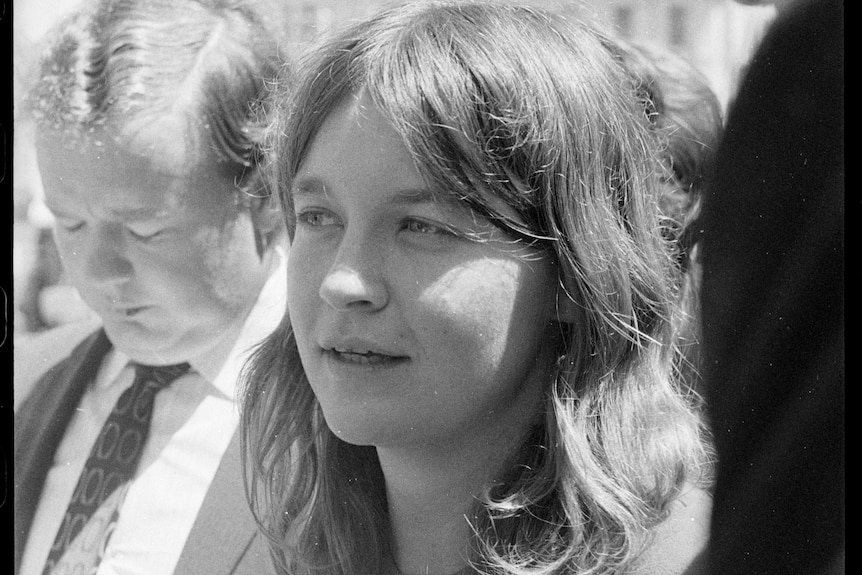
{"x": 194, "y": 420}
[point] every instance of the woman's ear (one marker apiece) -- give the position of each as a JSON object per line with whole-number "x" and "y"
{"x": 266, "y": 218}
{"x": 567, "y": 307}
{"x": 267, "y": 223}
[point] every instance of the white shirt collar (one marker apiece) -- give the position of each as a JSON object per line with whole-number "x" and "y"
{"x": 261, "y": 321}
{"x": 114, "y": 363}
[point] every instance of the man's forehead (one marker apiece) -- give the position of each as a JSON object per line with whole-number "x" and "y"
{"x": 168, "y": 143}
{"x": 148, "y": 160}
{"x": 164, "y": 147}
{"x": 111, "y": 188}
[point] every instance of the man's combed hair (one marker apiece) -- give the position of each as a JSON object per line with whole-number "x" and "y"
{"x": 499, "y": 102}
{"x": 193, "y": 70}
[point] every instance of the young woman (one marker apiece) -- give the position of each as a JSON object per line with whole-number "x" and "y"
{"x": 476, "y": 372}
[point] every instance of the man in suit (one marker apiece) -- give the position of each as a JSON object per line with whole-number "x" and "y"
{"x": 147, "y": 145}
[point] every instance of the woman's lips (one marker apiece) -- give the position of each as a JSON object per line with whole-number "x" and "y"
{"x": 364, "y": 358}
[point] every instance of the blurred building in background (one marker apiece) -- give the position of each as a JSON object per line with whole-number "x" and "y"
{"x": 717, "y": 36}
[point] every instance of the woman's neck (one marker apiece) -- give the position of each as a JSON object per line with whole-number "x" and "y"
{"x": 430, "y": 509}
{"x": 432, "y": 493}
{"x": 433, "y": 489}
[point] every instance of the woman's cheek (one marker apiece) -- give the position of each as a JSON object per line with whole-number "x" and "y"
{"x": 475, "y": 304}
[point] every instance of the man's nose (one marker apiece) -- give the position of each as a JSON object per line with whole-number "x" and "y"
{"x": 106, "y": 260}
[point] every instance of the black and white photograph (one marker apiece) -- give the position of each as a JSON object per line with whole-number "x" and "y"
{"x": 425, "y": 287}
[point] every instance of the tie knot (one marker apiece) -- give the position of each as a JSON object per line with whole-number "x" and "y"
{"x": 159, "y": 376}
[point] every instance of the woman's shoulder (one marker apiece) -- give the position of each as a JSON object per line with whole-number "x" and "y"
{"x": 681, "y": 537}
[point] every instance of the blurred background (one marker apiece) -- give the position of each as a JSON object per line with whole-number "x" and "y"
{"x": 717, "y": 36}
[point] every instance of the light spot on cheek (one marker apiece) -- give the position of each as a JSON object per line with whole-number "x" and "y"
{"x": 477, "y": 298}
{"x": 476, "y": 281}
{"x": 174, "y": 201}
{"x": 222, "y": 260}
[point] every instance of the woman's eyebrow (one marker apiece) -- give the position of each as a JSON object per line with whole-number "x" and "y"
{"x": 307, "y": 187}
{"x": 420, "y": 196}
{"x": 314, "y": 187}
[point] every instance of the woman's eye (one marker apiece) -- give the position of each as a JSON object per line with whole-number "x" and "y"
{"x": 420, "y": 227}
{"x": 316, "y": 218}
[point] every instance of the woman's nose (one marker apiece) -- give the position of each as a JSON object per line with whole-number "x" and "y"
{"x": 355, "y": 280}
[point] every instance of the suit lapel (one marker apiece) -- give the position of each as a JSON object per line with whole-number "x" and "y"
{"x": 40, "y": 423}
{"x": 225, "y": 528}
{"x": 222, "y": 540}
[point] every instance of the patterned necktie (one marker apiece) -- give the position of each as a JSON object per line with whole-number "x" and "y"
{"x": 110, "y": 467}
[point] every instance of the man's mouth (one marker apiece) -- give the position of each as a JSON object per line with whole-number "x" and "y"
{"x": 132, "y": 311}
{"x": 128, "y": 310}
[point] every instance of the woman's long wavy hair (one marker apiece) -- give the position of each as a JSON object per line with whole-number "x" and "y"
{"x": 506, "y": 102}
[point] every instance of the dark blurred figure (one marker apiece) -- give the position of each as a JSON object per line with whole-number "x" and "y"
{"x": 773, "y": 305}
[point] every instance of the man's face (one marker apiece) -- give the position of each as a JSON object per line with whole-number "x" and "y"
{"x": 163, "y": 255}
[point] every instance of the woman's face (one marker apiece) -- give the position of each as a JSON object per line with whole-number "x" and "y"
{"x": 409, "y": 331}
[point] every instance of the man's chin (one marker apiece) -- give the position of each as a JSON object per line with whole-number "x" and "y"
{"x": 147, "y": 346}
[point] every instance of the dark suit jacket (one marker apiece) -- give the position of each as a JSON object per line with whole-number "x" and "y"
{"x": 224, "y": 539}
